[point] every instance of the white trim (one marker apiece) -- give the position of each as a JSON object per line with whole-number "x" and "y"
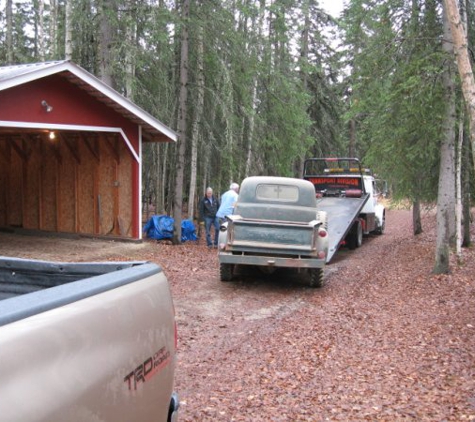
{"x": 53, "y": 126}
{"x": 41, "y": 70}
{"x": 140, "y": 183}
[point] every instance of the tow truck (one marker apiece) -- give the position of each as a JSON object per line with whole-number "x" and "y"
{"x": 347, "y": 193}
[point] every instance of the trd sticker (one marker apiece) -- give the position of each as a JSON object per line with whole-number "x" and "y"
{"x": 146, "y": 370}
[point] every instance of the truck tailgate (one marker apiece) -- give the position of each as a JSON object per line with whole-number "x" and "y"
{"x": 292, "y": 237}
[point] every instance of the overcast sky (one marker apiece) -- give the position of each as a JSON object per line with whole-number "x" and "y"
{"x": 333, "y": 7}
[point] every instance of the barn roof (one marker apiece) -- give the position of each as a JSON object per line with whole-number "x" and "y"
{"x": 152, "y": 129}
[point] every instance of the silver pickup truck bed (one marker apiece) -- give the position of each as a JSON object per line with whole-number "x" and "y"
{"x": 85, "y": 342}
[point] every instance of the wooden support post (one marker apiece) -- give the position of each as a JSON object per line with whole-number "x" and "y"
{"x": 59, "y": 221}
{"x": 77, "y": 221}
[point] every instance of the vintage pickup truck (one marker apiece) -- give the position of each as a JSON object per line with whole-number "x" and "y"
{"x": 275, "y": 224}
{"x": 86, "y": 342}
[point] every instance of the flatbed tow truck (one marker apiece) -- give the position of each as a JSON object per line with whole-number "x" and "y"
{"x": 348, "y": 194}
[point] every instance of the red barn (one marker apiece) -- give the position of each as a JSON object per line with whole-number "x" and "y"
{"x": 71, "y": 152}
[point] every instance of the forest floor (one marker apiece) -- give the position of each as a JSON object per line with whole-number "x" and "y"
{"x": 385, "y": 339}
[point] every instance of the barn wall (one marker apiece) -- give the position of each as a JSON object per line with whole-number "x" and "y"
{"x": 74, "y": 184}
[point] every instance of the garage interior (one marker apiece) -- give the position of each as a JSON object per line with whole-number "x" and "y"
{"x": 65, "y": 181}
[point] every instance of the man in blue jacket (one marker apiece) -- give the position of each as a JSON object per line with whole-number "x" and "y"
{"x": 228, "y": 200}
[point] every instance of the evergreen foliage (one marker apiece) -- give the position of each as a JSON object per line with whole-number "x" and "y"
{"x": 278, "y": 87}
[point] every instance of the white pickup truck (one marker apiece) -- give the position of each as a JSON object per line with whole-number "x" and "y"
{"x": 86, "y": 342}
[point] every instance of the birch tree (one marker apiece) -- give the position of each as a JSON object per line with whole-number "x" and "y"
{"x": 68, "y": 30}
{"x": 9, "y": 33}
{"x": 463, "y": 61}
{"x": 446, "y": 190}
{"x": 108, "y": 16}
{"x": 182, "y": 113}
{"x": 198, "y": 115}
{"x": 40, "y": 30}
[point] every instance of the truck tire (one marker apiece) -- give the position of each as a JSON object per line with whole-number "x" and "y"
{"x": 226, "y": 272}
{"x": 355, "y": 237}
{"x": 359, "y": 234}
{"x": 316, "y": 278}
{"x": 380, "y": 229}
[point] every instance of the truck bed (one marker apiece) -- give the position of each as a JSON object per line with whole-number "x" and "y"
{"x": 86, "y": 342}
{"x": 341, "y": 212}
{"x": 20, "y": 277}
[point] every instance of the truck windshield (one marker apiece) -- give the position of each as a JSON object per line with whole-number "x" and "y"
{"x": 271, "y": 192}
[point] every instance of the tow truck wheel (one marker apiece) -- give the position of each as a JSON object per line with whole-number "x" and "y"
{"x": 359, "y": 234}
{"x": 226, "y": 272}
{"x": 380, "y": 229}
{"x": 316, "y": 277}
{"x": 355, "y": 238}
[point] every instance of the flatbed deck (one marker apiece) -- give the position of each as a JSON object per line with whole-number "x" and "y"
{"x": 341, "y": 212}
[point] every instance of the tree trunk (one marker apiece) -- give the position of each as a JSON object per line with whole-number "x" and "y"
{"x": 445, "y": 196}
{"x": 68, "y": 31}
{"x": 9, "y": 34}
{"x": 463, "y": 61}
{"x": 467, "y": 217}
{"x": 196, "y": 128}
{"x": 53, "y": 26}
{"x": 352, "y": 144}
{"x": 108, "y": 15}
{"x": 182, "y": 111}
{"x": 165, "y": 181}
{"x": 252, "y": 115}
{"x": 131, "y": 35}
{"x": 458, "y": 180}
{"x": 416, "y": 218}
{"x": 41, "y": 30}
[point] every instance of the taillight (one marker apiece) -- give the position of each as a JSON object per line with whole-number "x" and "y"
{"x": 322, "y": 233}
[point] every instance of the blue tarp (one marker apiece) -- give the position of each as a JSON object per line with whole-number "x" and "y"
{"x": 160, "y": 227}
{"x": 188, "y": 231}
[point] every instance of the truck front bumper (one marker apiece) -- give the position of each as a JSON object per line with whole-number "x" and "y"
{"x": 270, "y": 261}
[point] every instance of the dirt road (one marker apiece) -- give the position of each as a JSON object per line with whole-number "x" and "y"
{"x": 383, "y": 340}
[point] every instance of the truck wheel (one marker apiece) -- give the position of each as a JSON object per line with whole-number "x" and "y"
{"x": 359, "y": 234}
{"x": 226, "y": 272}
{"x": 380, "y": 229}
{"x": 355, "y": 237}
{"x": 316, "y": 277}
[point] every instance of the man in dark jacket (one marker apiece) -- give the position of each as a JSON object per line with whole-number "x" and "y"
{"x": 208, "y": 207}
